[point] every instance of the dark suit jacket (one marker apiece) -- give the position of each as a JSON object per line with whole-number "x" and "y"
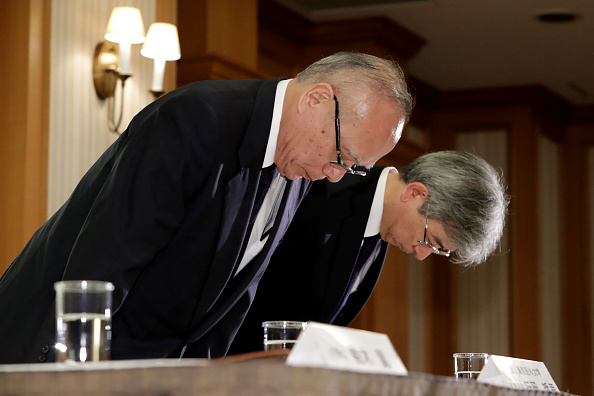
{"x": 309, "y": 274}
{"x": 163, "y": 215}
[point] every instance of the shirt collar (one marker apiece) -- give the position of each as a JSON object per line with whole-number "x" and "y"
{"x": 377, "y": 207}
{"x": 277, "y": 112}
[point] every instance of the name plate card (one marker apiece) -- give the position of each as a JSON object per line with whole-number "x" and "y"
{"x": 341, "y": 348}
{"x": 517, "y": 374}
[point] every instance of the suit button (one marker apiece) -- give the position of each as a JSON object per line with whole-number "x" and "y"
{"x": 42, "y": 358}
{"x": 45, "y": 349}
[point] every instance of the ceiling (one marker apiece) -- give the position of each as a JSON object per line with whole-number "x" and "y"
{"x": 486, "y": 43}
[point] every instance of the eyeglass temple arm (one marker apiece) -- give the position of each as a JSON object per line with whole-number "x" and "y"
{"x": 337, "y": 125}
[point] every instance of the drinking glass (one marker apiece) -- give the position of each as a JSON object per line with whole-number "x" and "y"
{"x": 281, "y": 334}
{"x": 83, "y": 320}
{"x": 469, "y": 365}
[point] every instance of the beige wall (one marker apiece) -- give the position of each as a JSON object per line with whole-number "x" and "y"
{"x": 78, "y": 131}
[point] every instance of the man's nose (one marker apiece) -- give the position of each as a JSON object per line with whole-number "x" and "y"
{"x": 333, "y": 174}
{"x": 421, "y": 252}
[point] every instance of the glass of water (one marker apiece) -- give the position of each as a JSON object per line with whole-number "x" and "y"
{"x": 281, "y": 334}
{"x": 469, "y": 365}
{"x": 83, "y": 320}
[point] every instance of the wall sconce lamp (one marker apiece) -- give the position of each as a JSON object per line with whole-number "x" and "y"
{"x": 125, "y": 28}
{"x": 161, "y": 45}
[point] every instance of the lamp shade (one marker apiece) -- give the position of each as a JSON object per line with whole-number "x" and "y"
{"x": 125, "y": 26}
{"x": 162, "y": 42}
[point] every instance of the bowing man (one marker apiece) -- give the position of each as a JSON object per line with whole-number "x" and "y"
{"x": 447, "y": 203}
{"x": 183, "y": 212}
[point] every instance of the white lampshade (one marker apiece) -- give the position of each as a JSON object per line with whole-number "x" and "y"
{"x": 125, "y": 26}
{"x": 162, "y": 42}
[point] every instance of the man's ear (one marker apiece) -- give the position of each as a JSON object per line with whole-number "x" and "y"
{"x": 414, "y": 190}
{"x": 316, "y": 95}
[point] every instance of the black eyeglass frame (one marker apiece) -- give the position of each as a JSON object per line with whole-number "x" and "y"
{"x": 434, "y": 250}
{"x": 338, "y": 163}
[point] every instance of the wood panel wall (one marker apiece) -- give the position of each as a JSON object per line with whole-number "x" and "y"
{"x": 23, "y": 123}
{"x": 576, "y": 265}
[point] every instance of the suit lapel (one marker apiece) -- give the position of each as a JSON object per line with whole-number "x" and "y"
{"x": 292, "y": 195}
{"x": 343, "y": 266}
{"x": 348, "y": 245}
{"x": 221, "y": 303}
{"x": 239, "y": 198}
{"x": 234, "y": 226}
{"x": 353, "y": 303}
{"x": 257, "y": 133}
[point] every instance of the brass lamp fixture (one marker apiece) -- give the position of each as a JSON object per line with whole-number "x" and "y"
{"x": 111, "y": 65}
{"x": 125, "y": 28}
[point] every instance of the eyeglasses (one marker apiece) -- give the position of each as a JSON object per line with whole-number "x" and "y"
{"x": 434, "y": 250}
{"x": 355, "y": 169}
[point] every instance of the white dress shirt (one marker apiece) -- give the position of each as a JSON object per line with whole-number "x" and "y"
{"x": 374, "y": 221}
{"x": 269, "y": 208}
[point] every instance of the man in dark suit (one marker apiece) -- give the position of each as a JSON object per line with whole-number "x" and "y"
{"x": 331, "y": 257}
{"x": 184, "y": 210}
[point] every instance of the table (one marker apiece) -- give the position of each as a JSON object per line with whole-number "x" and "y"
{"x": 260, "y": 373}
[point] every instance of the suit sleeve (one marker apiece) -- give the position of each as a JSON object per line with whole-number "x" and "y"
{"x": 165, "y": 156}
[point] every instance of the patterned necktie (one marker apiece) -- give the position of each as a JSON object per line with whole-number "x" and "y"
{"x": 278, "y": 184}
{"x": 267, "y": 175}
{"x": 266, "y": 178}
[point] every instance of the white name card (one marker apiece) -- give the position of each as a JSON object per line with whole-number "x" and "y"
{"x": 341, "y": 348}
{"x": 517, "y": 374}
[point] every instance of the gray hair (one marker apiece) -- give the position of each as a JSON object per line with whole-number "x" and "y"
{"x": 467, "y": 195}
{"x": 353, "y": 72}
